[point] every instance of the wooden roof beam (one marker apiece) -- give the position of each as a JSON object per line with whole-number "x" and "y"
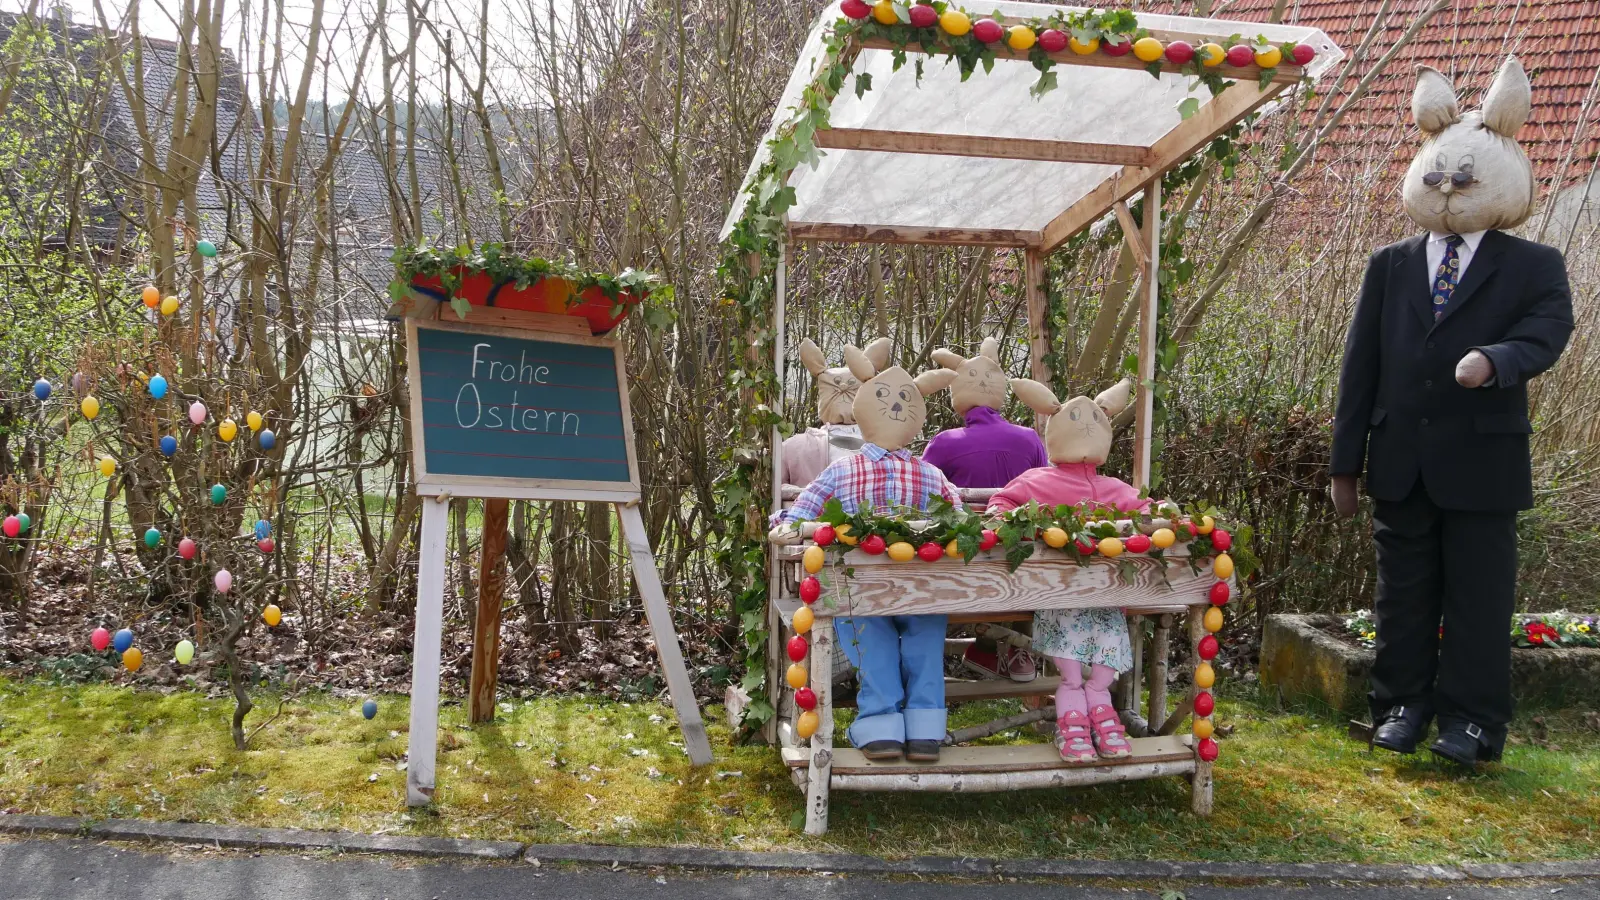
{"x": 981, "y": 146}
{"x": 1288, "y": 73}
{"x": 1239, "y": 100}
{"x": 907, "y": 234}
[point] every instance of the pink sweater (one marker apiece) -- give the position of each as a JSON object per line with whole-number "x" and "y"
{"x": 1069, "y": 483}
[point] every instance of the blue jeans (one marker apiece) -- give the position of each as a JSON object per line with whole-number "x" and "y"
{"x": 900, "y": 660}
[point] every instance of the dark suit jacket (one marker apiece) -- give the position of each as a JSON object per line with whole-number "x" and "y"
{"x": 1400, "y": 409}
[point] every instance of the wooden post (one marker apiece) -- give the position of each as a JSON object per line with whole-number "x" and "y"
{"x": 695, "y": 742}
{"x": 1200, "y": 794}
{"x": 486, "y": 626}
{"x": 820, "y": 770}
{"x": 1148, "y": 307}
{"x": 1160, "y": 645}
{"x": 1038, "y": 310}
{"x": 775, "y": 687}
{"x": 423, "y": 743}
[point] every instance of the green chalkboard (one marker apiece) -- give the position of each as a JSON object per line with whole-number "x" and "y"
{"x": 492, "y": 407}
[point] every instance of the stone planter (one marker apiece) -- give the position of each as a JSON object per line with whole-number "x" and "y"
{"x": 1302, "y": 663}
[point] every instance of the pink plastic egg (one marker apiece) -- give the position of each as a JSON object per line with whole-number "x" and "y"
{"x": 187, "y": 548}
{"x": 223, "y": 581}
{"x": 197, "y": 412}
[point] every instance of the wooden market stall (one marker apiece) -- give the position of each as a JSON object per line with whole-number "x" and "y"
{"x": 918, "y": 154}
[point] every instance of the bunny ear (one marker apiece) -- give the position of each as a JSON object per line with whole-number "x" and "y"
{"x": 935, "y": 380}
{"x": 991, "y": 349}
{"x": 811, "y": 356}
{"x": 878, "y": 352}
{"x": 947, "y": 358}
{"x": 859, "y": 364}
{"x": 1114, "y": 399}
{"x": 1433, "y": 103}
{"x": 1039, "y": 398}
{"x": 1509, "y": 101}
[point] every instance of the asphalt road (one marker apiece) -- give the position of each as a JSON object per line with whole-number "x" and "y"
{"x": 71, "y": 869}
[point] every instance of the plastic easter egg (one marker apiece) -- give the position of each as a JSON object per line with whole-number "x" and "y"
{"x": 41, "y": 390}
{"x": 810, "y": 589}
{"x": 24, "y": 521}
{"x": 187, "y": 548}
{"x": 1203, "y": 729}
{"x": 1206, "y": 525}
{"x": 796, "y": 676}
{"x": 184, "y": 652}
{"x": 1222, "y": 566}
{"x": 1163, "y": 538}
{"x": 1204, "y": 703}
{"x": 272, "y": 615}
{"x": 228, "y": 430}
{"x": 1204, "y": 676}
{"x": 804, "y": 618}
{"x": 158, "y": 386}
{"x": 133, "y": 658}
{"x": 253, "y": 420}
{"x": 1208, "y": 750}
{"x": 268, "y": 440}
{"x": 151, "y": 295}
{"x": 1213, "y": 619}
{"x": 219, "y": 495}
{"x": 169, "y": 305}
{"x": 90, "y": 407}
{"x": 811, "y": 560}
{"x": 206, "y": 249}
{"x": 806, "y": 725}
{"x": 266, "y": 545}
{"x": 805, "y": 698}
{"x": 99, "y": 639}
{"x": 152, "y": 538}
{"x": 1110, "y": 547}
{"x": 123, "y": 640}
{"x": 11, "y": 527}
{"x": 223, "y": 581}
{"x": 1221, "y": 540}
{"x": 169, "y": 445}
{"x": 1219, "y": 594}
{"x": 798, "y": 648}
{"x": 263, "y": 529}
{"x": 1208, "y": 647}
{"x": 1138, "y": 543}
{"x": 108, "y": 466}
{"x": 197, "y": 412}
{"x": 369, "y": 709}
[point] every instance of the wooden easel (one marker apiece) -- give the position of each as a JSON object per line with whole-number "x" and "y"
{"x": 497, "y": 492}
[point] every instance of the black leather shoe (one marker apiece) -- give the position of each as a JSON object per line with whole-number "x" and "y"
{"x": 1464, "y": 745}
{"x": 922, "y": 751}
{"x": 1401, "y": 729}
{"x": 882, "y": 750}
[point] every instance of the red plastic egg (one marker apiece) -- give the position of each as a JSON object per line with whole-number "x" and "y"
{"x": 810, "y": 589}
{"x": 187, "y": 548}
{"x": 1180, "y": 52}
{"x": 1052, "y": 40}
{"x": 1241, "y": 55}
{"x": 1304, "y": 53}
{"x": 1221, "y": 540}
{"x": 1117, "y": 49}
{"x": 930, "y": 552}
{"x": 824, "y": 535}
{"x": 988, "y": 539}
{"x": 1208, "y": 647}
{"x": 1208, "y": 750}
{"x": 1204, "y": 703}
{"x": 855, "y": 9}
{"x": 266, "y": 545}
{"x": 924, "y": 16}
{"x": 987, "y": 31}
{"x": 1219, "y": 594}
{"x": 798, "y": 648}
{"x": 11, "y": 527}
{"x": 1137, "y": 543}
{"x": 1086, "y": 548}
{"x": 100, "y": 639}
{"x": 872, "y": 545}
{"x": 805, "y": 698}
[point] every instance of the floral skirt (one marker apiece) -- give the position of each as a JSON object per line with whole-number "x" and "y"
{"x": 1091, "y": 636}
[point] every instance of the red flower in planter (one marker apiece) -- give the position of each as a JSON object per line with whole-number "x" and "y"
{"x": 1538, "y": 633}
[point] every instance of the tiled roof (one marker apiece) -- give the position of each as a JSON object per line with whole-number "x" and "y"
{"x": 1557, "y": 41}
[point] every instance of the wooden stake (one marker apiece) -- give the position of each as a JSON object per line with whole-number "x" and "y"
{"x": 1143, "y": 434}
{"x": 423, "y": 746}
{"x": 1038, "y": 332}
{"x": 486, "y": 626}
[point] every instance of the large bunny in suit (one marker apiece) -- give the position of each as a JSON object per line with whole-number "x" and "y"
{"x": 1433, "y": 406}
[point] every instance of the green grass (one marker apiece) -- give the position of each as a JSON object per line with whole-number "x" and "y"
{"x": 1289, "y": 786}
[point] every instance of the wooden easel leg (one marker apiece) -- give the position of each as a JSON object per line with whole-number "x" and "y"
{"x": 820, "y": 771}
{"x": 423, "y": 742}
{"x": 486, "y": 627}
{"x": 695, "y": 742}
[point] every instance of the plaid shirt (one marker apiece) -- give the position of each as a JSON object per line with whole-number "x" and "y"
{"x": 883, "y": 479}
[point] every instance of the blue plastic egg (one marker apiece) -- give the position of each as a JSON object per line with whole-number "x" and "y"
{"x": 369, "y": 709}
{"x": 123, "y": 640}
{"x": 263, "y": 529}
{"x": 268, "y": 439}
{"x": 158, "y": 386}
{"x": 41, "y": 389}
{"x": 206, "y": 248}
{"x": 219, "y": 494}
{"x": 169, "y": 445}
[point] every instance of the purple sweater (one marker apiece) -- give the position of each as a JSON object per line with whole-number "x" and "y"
{"x": 987, "y": 453}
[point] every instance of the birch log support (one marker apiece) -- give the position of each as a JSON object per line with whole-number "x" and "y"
{"x": 681, "y": 689}
{"x": 820, "y": 769}
{"x": 1200, "y": 795}
{"x": 423, "y": 742}
{"x": 486, "y": 626}
{"x": 995, "y": 782}
{"x": 1160, "y": 649}
{"x": 995, "y": 726}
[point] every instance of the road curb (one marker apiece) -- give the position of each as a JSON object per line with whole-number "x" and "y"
{"x": 779, "y": 861}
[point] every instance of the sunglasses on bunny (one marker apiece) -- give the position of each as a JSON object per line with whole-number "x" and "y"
{"x": 1459, "y": 179}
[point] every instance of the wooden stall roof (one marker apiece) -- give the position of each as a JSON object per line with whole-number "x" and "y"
{"x": 982, "y": 162}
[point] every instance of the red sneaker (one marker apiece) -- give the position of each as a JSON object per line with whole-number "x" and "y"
{"x": 1015, "y": 663}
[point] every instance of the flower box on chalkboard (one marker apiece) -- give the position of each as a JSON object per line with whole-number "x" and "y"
{"x": 490, "y": 276}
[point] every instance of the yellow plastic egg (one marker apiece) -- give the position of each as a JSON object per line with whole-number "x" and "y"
{"x": 955, "y": 22}
{"x": 1205, "y": 525}
{"x": 884, "y": 12}
{"x": 796, "y": 676}
{"x": 1148, "y": 49}
{"x": 1021, "y": 38}
{"x": 953, "y": 549}
{"x": 253, "y": 420}
{"x": 803, "y": 619}
{"x": 807, "y": 724}
{"x": 1212, "y": 54}
{"x": 842, "y": 534}
{"x": 133, "y": 658}
{"x": 1222, "y": 567}
{"x": 1055, "y": 537}
{"x": 1163, "y": 538}
{"x": 812, "y": 559}
{"x": 1214, "y": 619}
{"x": 169, "y": 305}
{"x": 1268, "y": 57}
{"x": 227, "y": 430}
{"x": 1204, "y": 676}
{"x": 1111, "y": 548}
{"x": 108, "y": 466}
{"x": 1203, "y": 729}
{"x": 272, "y": 615}
{"x": 90, "y": 407}
{"x": 1083, "y": 48}
{"x": 900, "y": 551}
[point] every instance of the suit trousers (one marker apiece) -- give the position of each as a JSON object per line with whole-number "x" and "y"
{"x": 1440, "y": 568}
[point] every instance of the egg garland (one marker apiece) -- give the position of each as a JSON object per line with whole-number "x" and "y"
{"x": 1205, "y": 674}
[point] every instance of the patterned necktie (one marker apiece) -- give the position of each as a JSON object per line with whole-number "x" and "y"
{"x": 1448, "y": 276}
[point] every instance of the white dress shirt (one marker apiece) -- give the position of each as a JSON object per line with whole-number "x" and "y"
{"x": 1436, "y": 246}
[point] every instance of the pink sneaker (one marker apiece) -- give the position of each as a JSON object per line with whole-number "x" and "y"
{"x": 1072, "y": 738}
{"x": 1019, "y": 665}
{"x": 1014, "y": 663}
{"x": 1110, "y": 735}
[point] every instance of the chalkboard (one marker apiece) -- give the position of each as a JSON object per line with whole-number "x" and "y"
{"x": 493, "y": 409}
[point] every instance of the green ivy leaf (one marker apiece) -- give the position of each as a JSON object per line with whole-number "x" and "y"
{"x": 1189, "y": 107}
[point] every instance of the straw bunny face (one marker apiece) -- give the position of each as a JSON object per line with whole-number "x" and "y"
{"x": 889, "y": 405}
{"x": 1079, "y": 431}
{"x": 1482, "y": 179}
{"x": 836, "y": 388}
{"x": 978, "y": 381}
